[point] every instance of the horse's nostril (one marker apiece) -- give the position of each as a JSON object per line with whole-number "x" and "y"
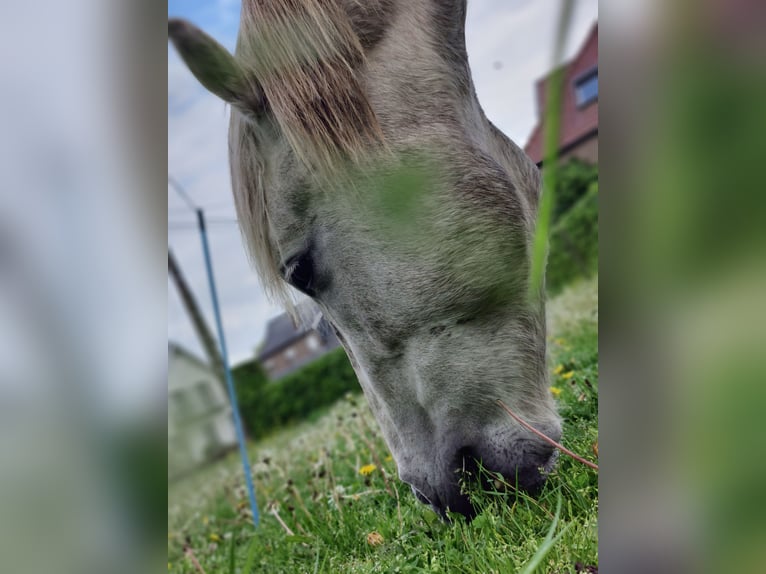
{"x": 532, "y": 475}
{"x": 473, "y": 466}
{"x": 467, "y": 461}
{"x": 525, "y": 467}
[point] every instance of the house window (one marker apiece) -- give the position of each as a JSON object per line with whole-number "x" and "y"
{"x": 290, "y": 353}
{"x": 312, "y": 342}
{"x": 269, "y": 364}
{"x": 586, "y": 88}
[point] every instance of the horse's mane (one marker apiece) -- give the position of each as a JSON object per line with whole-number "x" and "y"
{"x": 304, "y": 56}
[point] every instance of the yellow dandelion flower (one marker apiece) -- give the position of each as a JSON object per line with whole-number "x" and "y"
{"x": 567, "y": 375}
{"x": 374, "y": 538}
{"x": 205, "y": 520}
{"x": 558, "y": 369}
{"x": 559, "y": 341}
{"x": 389, "y": 458}
{"x": 367, "y": 469}
{"x": 555, "y": 391}
{"x": 170, "y": 566}
{"x": 215, "y": 538}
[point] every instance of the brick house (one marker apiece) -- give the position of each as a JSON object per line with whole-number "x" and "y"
{"x": 287, "y": 348}
{"x": 579, "y": 120}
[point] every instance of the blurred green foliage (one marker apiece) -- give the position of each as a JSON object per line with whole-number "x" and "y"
{"x": 249, "y": 382}
{"x": 573, "y": 249}
{"x": 573, "y": 180}
{"x": 267, "y": 405}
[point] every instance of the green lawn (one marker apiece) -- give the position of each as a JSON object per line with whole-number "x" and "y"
{"x": 343, "y": 521}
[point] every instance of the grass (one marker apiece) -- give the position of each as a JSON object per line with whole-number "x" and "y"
{"x": 340, "y": 520}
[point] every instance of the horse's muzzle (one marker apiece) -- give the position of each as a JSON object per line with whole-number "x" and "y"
{"x": 526, "y": 471}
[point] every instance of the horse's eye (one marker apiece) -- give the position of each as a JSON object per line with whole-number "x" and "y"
{"x": 298, "y": 271}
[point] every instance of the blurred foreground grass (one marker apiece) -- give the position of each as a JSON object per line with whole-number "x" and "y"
{"x": 334, "y": 485}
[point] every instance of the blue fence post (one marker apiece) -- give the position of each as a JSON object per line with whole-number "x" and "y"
{"x": 227, "y": 371}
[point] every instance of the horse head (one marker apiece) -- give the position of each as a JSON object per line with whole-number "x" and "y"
{"x": 367, "y": 176}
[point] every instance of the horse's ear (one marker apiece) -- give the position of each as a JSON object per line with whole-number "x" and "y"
{"x": 211, "y": 63}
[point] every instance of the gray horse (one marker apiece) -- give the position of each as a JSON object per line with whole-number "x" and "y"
{"x": 367, "y": 176}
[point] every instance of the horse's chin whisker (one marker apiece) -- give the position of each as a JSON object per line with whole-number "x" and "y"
{"x": 545, "y": 437}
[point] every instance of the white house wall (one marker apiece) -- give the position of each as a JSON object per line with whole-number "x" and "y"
{"x": 208, "y": 413}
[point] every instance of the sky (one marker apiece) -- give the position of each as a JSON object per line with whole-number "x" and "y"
{"x": 510, "y": 46}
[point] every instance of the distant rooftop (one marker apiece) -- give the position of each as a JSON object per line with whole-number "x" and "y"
{"x": 281, "y": 331}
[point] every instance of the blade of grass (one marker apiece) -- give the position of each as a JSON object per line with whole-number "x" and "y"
{"x": 548, "y": 543}
{"x": 250, "y": 556}
{"x": 552, "y": 122}
{"x": 231, "y": 554}
{"x": 193, "y": 559}
{"x": 275, "y": 513}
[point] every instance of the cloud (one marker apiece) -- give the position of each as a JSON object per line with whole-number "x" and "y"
{"x": 520, "y": 37}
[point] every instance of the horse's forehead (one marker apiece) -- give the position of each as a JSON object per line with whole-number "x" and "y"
{"x": 464, "y": 177}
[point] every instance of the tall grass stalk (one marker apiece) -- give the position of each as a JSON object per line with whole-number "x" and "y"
{"x": 551, "y": 125}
